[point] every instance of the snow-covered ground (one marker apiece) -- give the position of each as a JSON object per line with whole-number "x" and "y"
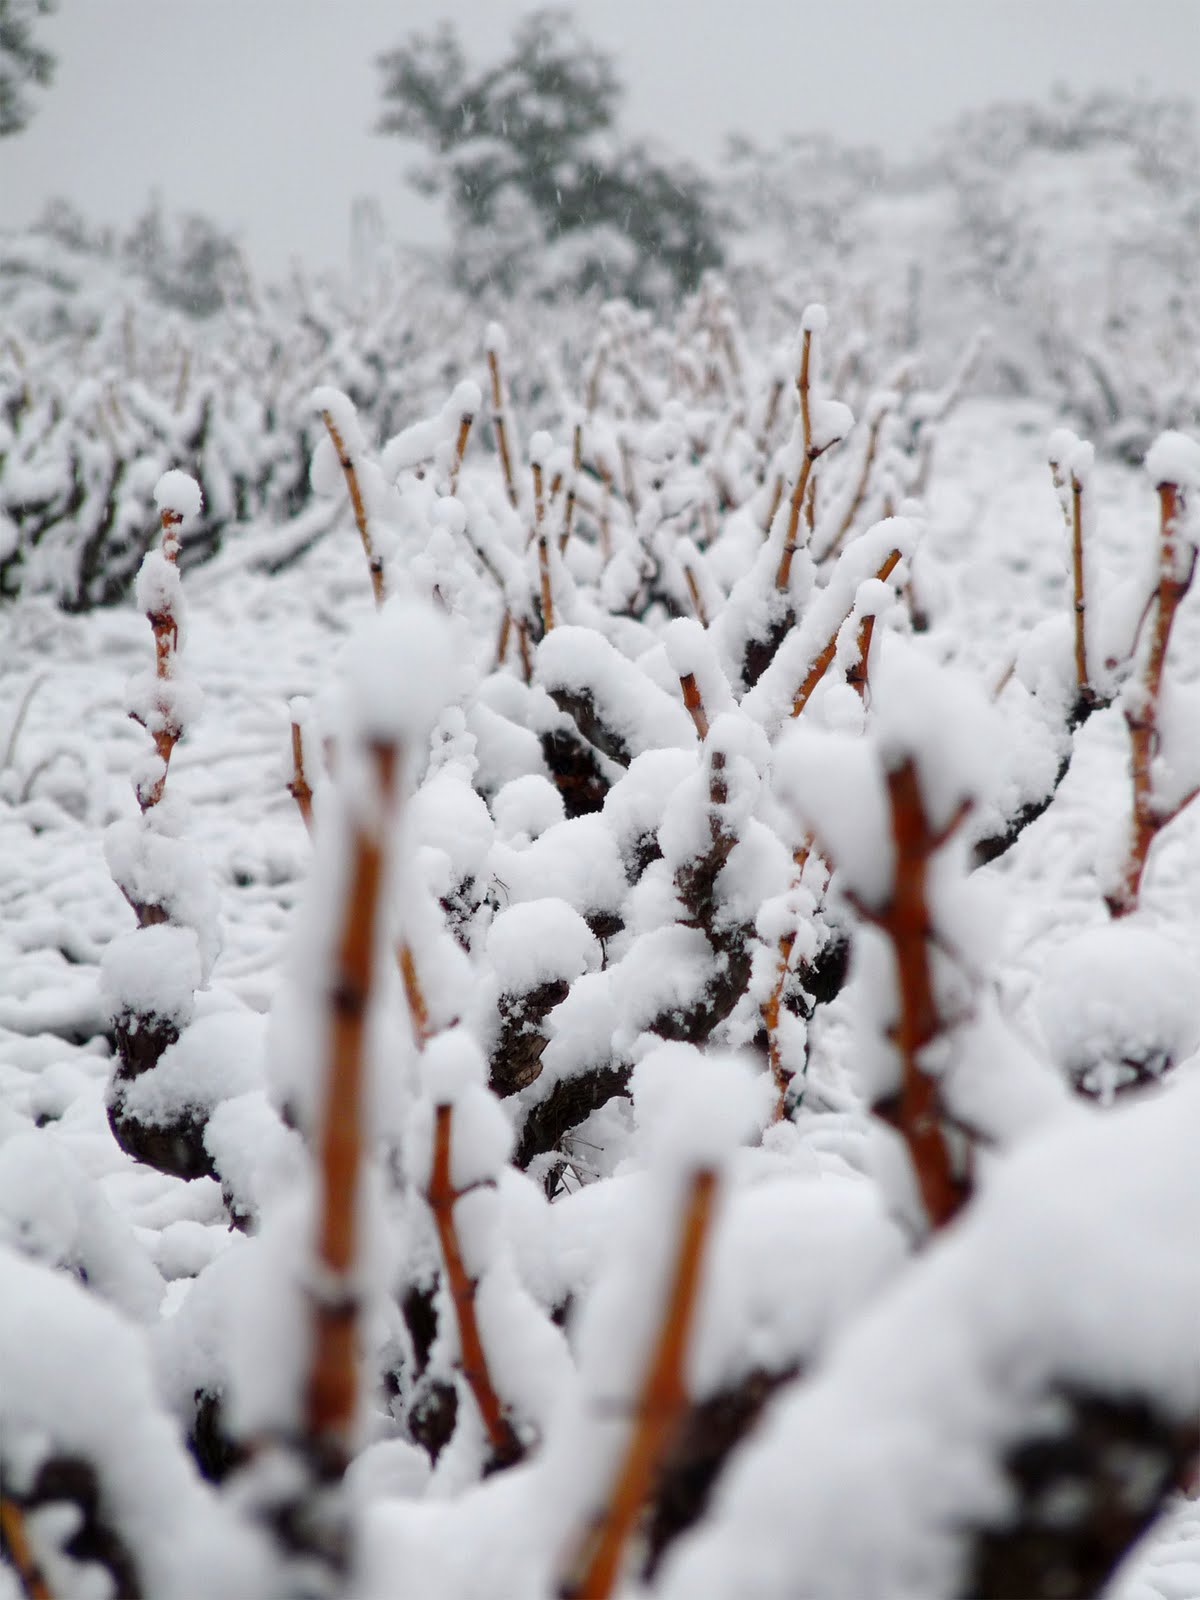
{"x": 993, "y": 573}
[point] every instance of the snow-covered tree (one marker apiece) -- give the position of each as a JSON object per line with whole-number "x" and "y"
{"x": 527, "y": 157}
{"x": 24, "y": 63}
{"x": 661, "y": 1059}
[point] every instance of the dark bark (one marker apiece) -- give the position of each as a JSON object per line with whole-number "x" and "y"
{"x": 575, "y": 771}
{"x": 176, "y": 1147}
{"x": 71, "y": 1480}
{"x": 1083, "y": 1495}
{"x": 567, "y": 1105}
{"x": 697, "y": 1458}
{"x": 583, "y": 712}
{"x": 760, "y": 652}
{"x": 516, "y": 1059}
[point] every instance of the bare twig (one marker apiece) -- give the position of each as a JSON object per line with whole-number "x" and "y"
{"x": 772, "y": 1007}
{"x": 594, "y": 1565}
{"x": 331, "y": 1393}
{"x": 1142, "y": 716}
{"x": 418, "y": 1008}
{"x": 799, "y": 488}
{"x": 694, "y": 704}
{"x": 907, "y": 922}
{"x": 860, "y": 488}
{"x": 14, "y": 733}
{"x": 500, "y": 424}
{"x": 825, "y": 656}
{"x": 543, "y": 549}
{"x": 773, "y": 504}
{"x": 460, "y": 448}
{"x": 299, "y": 788}
{"x": 506, "y": 1447}
{"x": 693, "y": 588}
{"x": 350, "y": 472}
{"x": 15, "y": 1546}
{"x": 1083, "y": 682}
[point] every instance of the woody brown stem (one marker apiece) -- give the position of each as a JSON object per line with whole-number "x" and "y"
{"x": 299, "y": 787}
{"x": 1082, "y": 681}
{"x": 906, "y": 920}
{"x": 697, "y": 599}
{"x": 1003, "y": 681}
{"x": 502, "y": 639}
{"x": 824, "y": 659}
{"x": 860, "y": 488}
{"x": 543, "y": 550}
{"x": 460, "y": 448}
{"x": 506, "y": 1447}
{"x": 165, "y": 628}
{"x": 1142, "y": 718}
{"x": 857, "y": 676}
{"x": 783, "y": 575}
{"x": 605, "y": 514}
{"x": 770, "y": 1015}
{"x": 773, "y": 1004}
{"x": 776, "y": 497}
{"x": 500, "y": 423}
{"x": 694, "y": 704}
{"x": 418, "y": 1008}
{"x": 564, "y": 537}
{"x": 331, "y": 1393}
{"x": 15, "y": 1546}
{"x": 594, "y": 1566}
{"x": 350, "y": 473}
{"x": 768, "y": 426}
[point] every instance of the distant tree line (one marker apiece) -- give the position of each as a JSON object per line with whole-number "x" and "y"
{"x": 24, "y": 63}
{"x": 526, "y": 155}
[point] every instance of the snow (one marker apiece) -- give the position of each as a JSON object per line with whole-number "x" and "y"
{"x": 942, "y": 721}
{"x": 1081, "y": 462}
{"x": 966, "y": 1351}
{"x": 577, "y": 861}
{"x": 77, "y": 1381}
{"x": 1114, "y": 999}
{"x": 790, "y": 1264}
{"x": 495, "y": 340}
{"x": 159, "y": 589}
{"x": 906, "y": 1372}
{"x": 837, "y": 788}
{"x": 219, "y": 1057}
{"x": 526, "y": 807}
{"x": 153, "y": 972}
{"x": 344, "y": 415}
{"x": 1174, "y": 458}
{"x": 466, "y": 398}
{"x": 51, "y": 1211}
{"x": 540, "y": 941}
{"x": 179, "y": 493}
{"x": 398, "y": 673}
{"x": 692, "y": 1109}
{"x": 829, "y": 420}
{"x": 580, "y": 661}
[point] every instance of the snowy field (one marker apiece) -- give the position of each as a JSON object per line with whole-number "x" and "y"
{"x": 915, "y": 1295}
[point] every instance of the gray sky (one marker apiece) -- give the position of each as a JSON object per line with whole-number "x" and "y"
{"x": 259, "y": 112}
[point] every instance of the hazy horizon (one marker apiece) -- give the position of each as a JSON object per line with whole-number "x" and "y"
{"x": 261, "y": 117}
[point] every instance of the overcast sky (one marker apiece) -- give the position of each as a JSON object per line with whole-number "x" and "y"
{"x": 259, "y": 112}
